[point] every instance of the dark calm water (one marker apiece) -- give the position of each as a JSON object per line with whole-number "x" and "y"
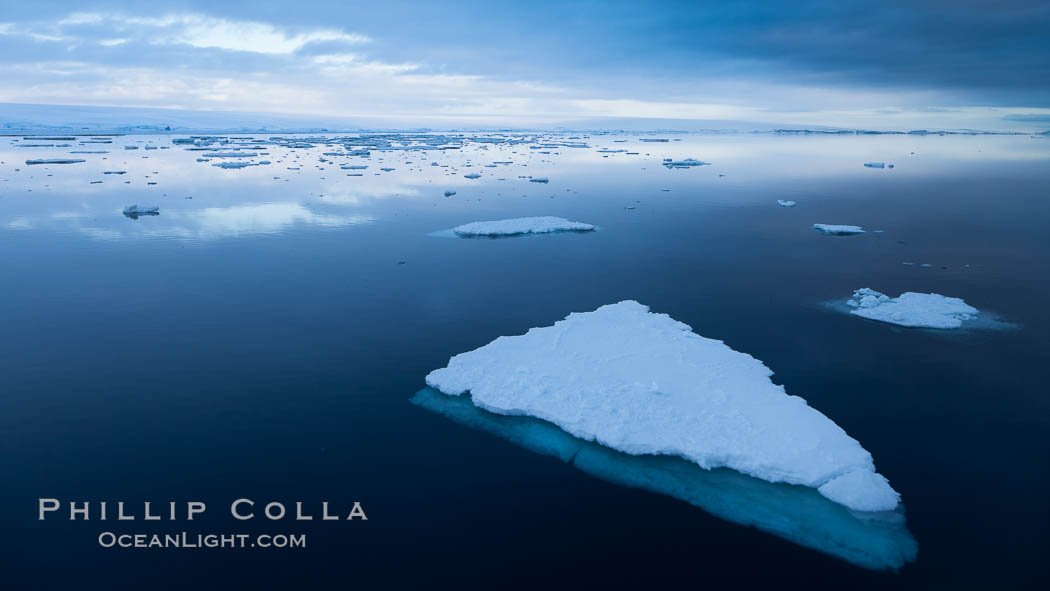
{"x": 263, "y": 340}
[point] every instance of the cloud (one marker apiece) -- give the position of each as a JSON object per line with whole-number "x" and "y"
{"x": 1028, "y": 117}
{"x": 202, "y": 31}
{"x": 830, "y": 62}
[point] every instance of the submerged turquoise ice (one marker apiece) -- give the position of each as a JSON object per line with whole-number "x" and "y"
{"x": 795, "y": 513}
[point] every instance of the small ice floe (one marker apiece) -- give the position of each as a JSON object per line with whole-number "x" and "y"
{"x": 234, "y": 164}
{"x": 449, "y": 193}
{"x": 688, "y": 162}
{"x": 134, "y": 211}
{"x": 837, "y": 229}
{"x": 229, "y": 155}
{"x": 539, "y": 179}
{"x": 917, "y": 310}
{"x": 878, "y": 165}
{"x": 785, "y": 203}
{"x": 645, "y": 384}
{"x": 519, "y": 226}
{"x": 54, "y": 161}
{"x": 472, "y": 175}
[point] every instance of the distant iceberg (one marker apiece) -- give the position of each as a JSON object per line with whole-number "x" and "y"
{"x": 688, "y": 162}
{"x": 518, "y": 226}
{"x": 134, "y": 211}
{"x": 784, "y": 203}
{"x": 917, "y": 310}
{"x": 235, "y": 164}
{"x": 878, "y": 541}
{"x": 55, "y": 161}
{"x": 644, "y": 384}
{"x": 837, "y": 229}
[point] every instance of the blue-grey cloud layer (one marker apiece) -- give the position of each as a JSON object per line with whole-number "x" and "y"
{"x": 972, "y": 53}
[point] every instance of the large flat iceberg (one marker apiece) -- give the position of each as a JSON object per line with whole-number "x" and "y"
{"x": 644, "y": 383}
{"x": 517, "y": 226}
{"x": 921, "y": 310}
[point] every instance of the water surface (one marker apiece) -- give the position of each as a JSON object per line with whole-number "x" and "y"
{"x": 262, "y": 337}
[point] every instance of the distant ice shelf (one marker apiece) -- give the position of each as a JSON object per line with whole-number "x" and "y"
{"x": 837, "y": 229}
{"x": 518, "y": 226}
{"x": 916, "y": 310}
{"x": 645, "y": 384}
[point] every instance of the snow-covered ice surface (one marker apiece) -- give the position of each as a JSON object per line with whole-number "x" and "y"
{"x": 785, "y": 203}
{"x": 838, "y": 229}
{"x": 643, "y": 383}
{"x": 518, "y": 226}
{"x": 794, "y": 513}
{"x": 924, "y": 310}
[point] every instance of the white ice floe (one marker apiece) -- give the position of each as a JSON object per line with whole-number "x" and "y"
{"x": 785, "y": 203}
{"x": 837, "y": 229}
{"x": 926, "y": 310}
{"x": 512, "y": 227}
{"x": 644, "y": 383}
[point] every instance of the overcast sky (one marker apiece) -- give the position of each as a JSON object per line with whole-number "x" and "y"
{"x": 933, "y": 64}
